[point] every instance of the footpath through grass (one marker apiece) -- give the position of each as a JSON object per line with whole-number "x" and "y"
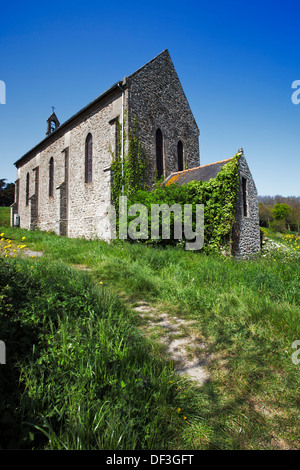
{"x": 78, "y": 374}
{"x": 247, "y": 311}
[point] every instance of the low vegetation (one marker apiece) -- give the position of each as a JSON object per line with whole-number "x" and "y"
{"x": 7, "y": 193}
{"x": 279, "y": 214}
{"x": 4, "y": 216}
{"x": 81, "y": 375}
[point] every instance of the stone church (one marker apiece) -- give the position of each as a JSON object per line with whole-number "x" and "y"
{"x": 64, "y": 183}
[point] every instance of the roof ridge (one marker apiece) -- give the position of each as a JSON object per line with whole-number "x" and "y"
{"x": 201, "y": 166}
{"x": 83, "y": 110}
{"x": 164, "y": 52}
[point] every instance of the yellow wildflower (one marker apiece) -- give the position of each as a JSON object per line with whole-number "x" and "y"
{"x": 23, "y": 238}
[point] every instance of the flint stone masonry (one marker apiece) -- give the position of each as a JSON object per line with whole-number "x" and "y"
{"x": 77, "y": 209}
{"x": 158, "y": 101}
{"x": 246, "y": 231}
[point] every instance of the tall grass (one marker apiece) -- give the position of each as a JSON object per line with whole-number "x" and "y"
{"x": 247, "y": 311}
{"x": 4, "y": 216}
{"x": 79, "y": 375}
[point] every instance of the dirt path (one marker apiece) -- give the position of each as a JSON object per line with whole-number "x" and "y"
{"x": 187, "y": 351}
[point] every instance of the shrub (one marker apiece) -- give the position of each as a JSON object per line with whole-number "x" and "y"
{"x": 218, "y": 196}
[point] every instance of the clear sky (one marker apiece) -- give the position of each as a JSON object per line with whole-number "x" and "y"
{"x": 236, "y": 61}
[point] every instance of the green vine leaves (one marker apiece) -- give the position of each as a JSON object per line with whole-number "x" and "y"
{"x": 219, "y": 195}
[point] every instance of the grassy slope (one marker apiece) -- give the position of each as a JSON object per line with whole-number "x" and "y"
{"x": 247, "y": 311}
{"x": 4, "y": 216}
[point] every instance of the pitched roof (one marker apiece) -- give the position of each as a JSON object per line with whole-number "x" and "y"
{"x": 62, "y": 128}
{"x": 200, "y": 173}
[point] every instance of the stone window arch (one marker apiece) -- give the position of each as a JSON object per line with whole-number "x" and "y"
{"x": 159, "y": 154}
{"x": 27, "y": 189}
{"x": 180, "y": 155}
{"x": 51, "y": 177}
{"x": 89, "y": 158}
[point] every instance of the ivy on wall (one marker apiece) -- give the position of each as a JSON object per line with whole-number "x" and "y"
{"x": 218, "y": 195}
{"x": 135, "y": 168}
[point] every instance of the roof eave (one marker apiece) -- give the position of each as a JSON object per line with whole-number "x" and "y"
{"x": 68, "y": 122}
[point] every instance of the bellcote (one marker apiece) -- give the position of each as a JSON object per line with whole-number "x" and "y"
{"x": 52, "y": 123}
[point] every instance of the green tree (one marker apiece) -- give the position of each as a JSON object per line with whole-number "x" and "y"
{"x": 7, "y": 193}
{"x": 281, "y": 211}
{"x": 265, "y": 214}
{"x": 293, "y": 219}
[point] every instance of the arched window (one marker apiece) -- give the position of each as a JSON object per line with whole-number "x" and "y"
{"x": 159, "y": 153}
{"x": 180, "y": 155}
{"x": 27, "y": 189}
{"x": 51, "y": 176}
{"x": 245, "y": 197}
{"x": 89, "y": 159}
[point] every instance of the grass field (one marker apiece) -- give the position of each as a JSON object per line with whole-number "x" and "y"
{"x": 84, "y": 376}
{"x": 4, "y": 216}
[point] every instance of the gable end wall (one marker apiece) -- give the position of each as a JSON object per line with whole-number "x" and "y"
{"x": 156, "y": 98}
{"x": 246, "y": 231}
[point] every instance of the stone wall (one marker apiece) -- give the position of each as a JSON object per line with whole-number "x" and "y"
{"x": 246, "y": 231}
{"x": 76, "y": 209}
{"x": 156, "y": 98}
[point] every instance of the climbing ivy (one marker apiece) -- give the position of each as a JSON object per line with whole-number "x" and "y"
{"x": 135, "y": 168}
{"x": 219, "y": 196}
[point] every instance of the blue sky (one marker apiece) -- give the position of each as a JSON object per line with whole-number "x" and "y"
{"x": 236, "y": 61}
